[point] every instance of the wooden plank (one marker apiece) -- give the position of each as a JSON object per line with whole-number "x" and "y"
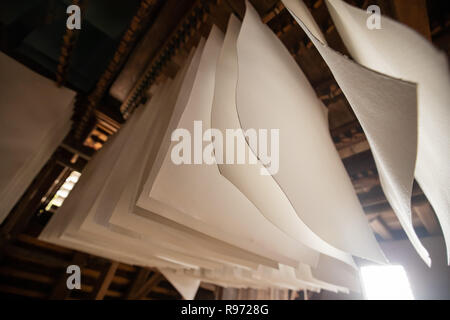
{"x": 381, "y": 229}
{"x": 22, "y": 292}
{"x": 15, "y": 273}
{"x": 218, "y": 293}
{"x": 389, "y": 217}
{"x": 165, "y": 52}
{"x": 376, "y": 197}
{"x": 208, "y": 286}
{"x": 126, "y": 267}
{"x": 88, "y": 272}
{"x": 105, "y": 280}
{"x": 171, "y": 12}
{"x": 90, "y": 289}
{"x": 170, "y": 293}
{"x": 34, "y": 256}
{"x": 354, "y": 148}
{"x": 154, "y": 280}
{"x": 60, "y": 290}
{"x": 140, "y": 278}
{"x": 414, "y": 14}
{"x": 426, "y": 214}
{"x": 69, "y": 42}
{"x": 25, "y": 238}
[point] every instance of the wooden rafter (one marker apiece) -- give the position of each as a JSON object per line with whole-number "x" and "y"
{"x": 60, "y": 290}
{"x": 105, "y": 280}
{"x": 186, "y": 28}
{"x": 142, "y": 276}
{"x": 68, "y": 44}
{"x": 144, "y": 289}
{"x": 149, "y": 285}
{"x": 124, "y": 48}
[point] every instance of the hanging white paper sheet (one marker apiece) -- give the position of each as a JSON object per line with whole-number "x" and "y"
{"x": 186, "y": 286}
{"x": 337, "y": 273}
{"x": 304, "y": 272}
{"x": 401, "y": 52}
{"x": 202, "y": 199}
{"x": 90, "y": 226}
{"x": 86, "y": 226}
{"x": 34, "y": 119}
{"x": 119, "y": 198}
{"x": 273, "y": 93}
{"x": 100, "y": 236}
{"x": 100, "y": 240}
{"x": 261, "y": 190}
{"x": 126, "y": 215}
{"x": 391, "y": 132}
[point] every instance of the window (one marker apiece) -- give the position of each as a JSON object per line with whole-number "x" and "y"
{"x": 385, "y": 283}
{"x": 64, "y": 191}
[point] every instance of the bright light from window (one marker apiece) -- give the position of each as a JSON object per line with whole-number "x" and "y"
{"x": 386, "y": 283}
{"x": 64, "y": 191}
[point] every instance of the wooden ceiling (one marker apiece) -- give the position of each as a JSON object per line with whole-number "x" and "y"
{"x": 149, "y": 43}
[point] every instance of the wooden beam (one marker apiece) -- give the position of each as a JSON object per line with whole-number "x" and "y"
{"x": 34, "y": 256}
{"x": 173, "y": 294}
{"x": 68, "y": 44}
{"x": 354, "y": 148}
{"x": 389, "y": 217}
{"x": 273, "y": 13}
{"x": 154, "y": 37}
{"x": 90, "y": 289}
{"x": 154, "y": 280}
{"x": 105, "y": 280}
{"x": 426, "y": 214}
{"x": 377, "y": 197}
{"x": 141, "y": 277}
{"x": 19, "y": 274}
{"x": 414, "y": 14}
{"x": 25, "y": 238}
{"x": 60, "y": 290}
{"x": 92, "y": 273}
{"x": 115, "y": 63}
{"x": 192, "y": 20}
{"x": 381, "y": 229}
{"x": 22, "y": 292}
{"x": 208, "y": 286}
{"x": 127, "y": 267}
{"x": 218, "y": 293}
